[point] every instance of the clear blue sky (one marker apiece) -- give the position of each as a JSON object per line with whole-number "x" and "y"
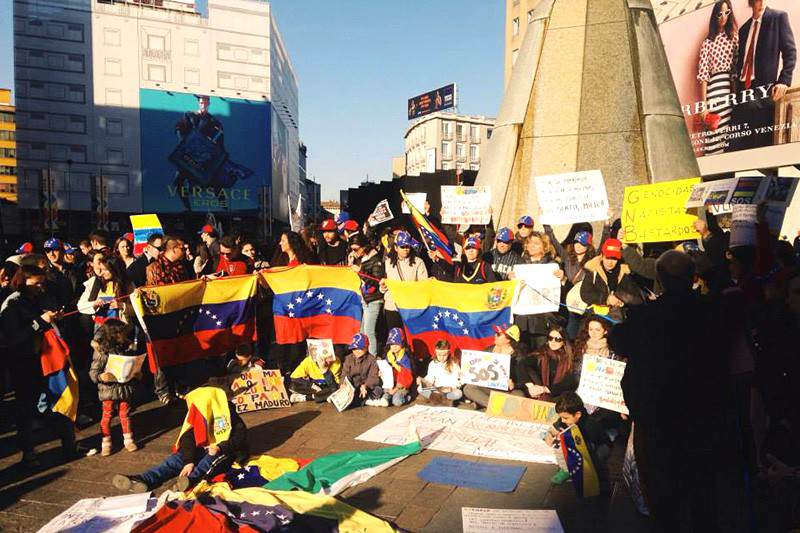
{"x": 358, "y": 62}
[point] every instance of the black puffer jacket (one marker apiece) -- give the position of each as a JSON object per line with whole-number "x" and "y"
{"x": 111, "y": 390}
{"x": 373, "y": 267}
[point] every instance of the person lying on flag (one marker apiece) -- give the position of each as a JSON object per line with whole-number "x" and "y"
{"x": 211, "y": 439}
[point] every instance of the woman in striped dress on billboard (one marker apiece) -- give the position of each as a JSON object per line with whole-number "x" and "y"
{"x": 715, "y": 72}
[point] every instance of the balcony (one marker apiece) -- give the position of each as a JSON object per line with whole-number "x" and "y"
{"x": 447, "y": 135}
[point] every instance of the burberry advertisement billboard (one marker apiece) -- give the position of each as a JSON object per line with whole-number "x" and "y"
{"x": 735, "y": 69}
{"x": 202, "y": 153}
{"x": 432, "y": 101}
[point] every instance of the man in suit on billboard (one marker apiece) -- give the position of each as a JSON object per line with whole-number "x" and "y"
{"x": 765, "y": 64}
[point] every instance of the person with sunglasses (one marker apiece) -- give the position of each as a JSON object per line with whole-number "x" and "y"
{"x": 524, "y": 229}
{"x": 137, "y": 271}
{"x": 550, "y": 370}
{"x": 231, "y": 262}
{"x": 170, "y": 267}
{"x": 403, "y": 264}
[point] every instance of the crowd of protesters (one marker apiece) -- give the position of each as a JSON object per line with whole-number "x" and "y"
{"x": 707, "y": 331}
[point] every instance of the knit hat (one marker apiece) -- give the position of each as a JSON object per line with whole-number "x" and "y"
{"x": 395, "y": 336}
{"x": 404, "y": 238}
{"x": 525, "y": 220}
{"x": 360, "y": 342}
{"x": 69, "y": 249}
{"x": 52, "y": 244}
{"x": 473, "y": 242}
{"x": 583, "y": 237}
{"x": 328, "y": 225}
{"x": 511, "y": 332}
{"x": 612, "y": 248}
{"x": 504, "y": 235}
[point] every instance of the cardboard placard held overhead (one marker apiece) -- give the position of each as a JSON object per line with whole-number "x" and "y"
{"x": 382, "y": 213}
{"x": 600, "y": 383}
{"x": 257, "y": 389}
{"x": 540, "y": 291}
{"x": 417, "y": 199}
{"x": 743, "y": 225}
{"x": 485, "y": 369}
{"x": 466, "y": 205}
{"x": 572, "y": 197}
{"x": 657, "y": 212}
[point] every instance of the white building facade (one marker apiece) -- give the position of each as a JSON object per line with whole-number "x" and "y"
{"x": 446, "y": 141}
{"x": 99, "y": 86}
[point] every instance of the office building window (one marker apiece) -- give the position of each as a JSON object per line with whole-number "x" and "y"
{"x": 474, "y": 132}
{"x": 114, "y": 127}
{"x": 515, "y": 27}
{"x": 460, "y": 132}
{"x": 7, "y": 171}
{"x": 113, "y": 67}
{"x": 447, "y": 130}
{"x": 474, "y": 152}
{"x": 191, "y": 76}
{"x": 488, "y": 133}
{"x": 8, "y": 152}
{"x": 111, "y": 37}
{"x": 155, "y": 42}
{"x": 156, "y": 73}
{"x": 6, "y": 117}
{"x": 191, "y": 47}
{"x": 57, "y": 92}
{"x": 447, "y": 150}
{"x": 114, "y": 156}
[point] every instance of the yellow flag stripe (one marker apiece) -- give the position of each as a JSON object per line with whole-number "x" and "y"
{"x": 305, "y": 277}
{"x": 175, "y": 297}
{"x": 460, "y": 296}
{"x": 145, "y": 221}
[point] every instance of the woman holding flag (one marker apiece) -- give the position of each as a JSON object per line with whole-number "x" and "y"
{"x": 403, "y": 264}
{"x": 25, "y": 322}
{"x": 367, "y": 260}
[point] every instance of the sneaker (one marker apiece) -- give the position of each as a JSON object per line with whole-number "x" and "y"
{"x": 181, "y": 484}
{"x": 133, "y": 484}
{"x": 296, "y": 398}
{"x": 383, "y": 402}
{"x": 371, "y": 403}
{"x": 105, "y": 448}
{"x": 560, "y": 477}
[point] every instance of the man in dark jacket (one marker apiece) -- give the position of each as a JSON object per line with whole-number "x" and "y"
{"x": 608, "y": 281}
{"x": 331, "y": 250}
{"x": 676, "y": 349}
{"x": 503, "y": 258}
{"x": 137, "y": 271}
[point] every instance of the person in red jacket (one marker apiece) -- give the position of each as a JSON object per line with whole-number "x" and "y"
{"x": 231, "y": 261}
{"x": 398, "y": 356}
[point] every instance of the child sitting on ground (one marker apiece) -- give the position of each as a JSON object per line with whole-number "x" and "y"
{"x": 243, "y": 360}
{"x": 397, "y": 355}
{"x": 442, "y": 384}
{"x": 571, "y": 411}
{"x": 361, "y": 368}
{"x": 211, "y": 439}
{"x": 315, "y": 378}
{"x": 114, "y": 337}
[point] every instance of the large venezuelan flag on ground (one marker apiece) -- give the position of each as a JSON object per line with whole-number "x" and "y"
{"x": 459, "y": 312}
{"x": 61, "y": 382}
{"x": 321, "y": 302}
{"x": 197, "y": 319}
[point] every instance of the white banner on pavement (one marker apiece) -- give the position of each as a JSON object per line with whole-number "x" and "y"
{"x": 485, "y": 369}
{"x": 540, "y": 290}
{"x": 572, "y": 197}
{"x": 417, "y": 199}
{"x": 448, "y": 429}
{"x": 382, "y": 213}
{"x": 466, "y": 205}
{"x": 483, "y": 520}
{"x": 600, "y": 383}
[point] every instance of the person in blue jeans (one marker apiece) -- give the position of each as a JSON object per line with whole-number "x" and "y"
{"x": 367, "y": 261}
{"x": 212, "y": 438}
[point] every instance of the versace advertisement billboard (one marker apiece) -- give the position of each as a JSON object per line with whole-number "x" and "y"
{"x": 735, "y": 68}
{"x": 203, "y": 153}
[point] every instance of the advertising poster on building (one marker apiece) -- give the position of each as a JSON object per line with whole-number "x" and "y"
{"x": 281, "y": 190}
{"x": 202, "y": 153}
{"x": 738, "y": 83}
{"x": 572, "y": 197}
{"x": 466, "y": 205}
{"x": 432, "y": 101}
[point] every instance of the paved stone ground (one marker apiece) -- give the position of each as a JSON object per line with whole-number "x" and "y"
{"x": 28, "y": 501}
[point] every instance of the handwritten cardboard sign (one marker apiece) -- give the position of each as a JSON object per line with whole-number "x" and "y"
{"x": 512, "y": 407}
{"x": 124, "y": 367}
{"x": 485, "y": 369}
{"x": 572, "y": 197}
{"x": 258, "y": 389}
{"x": 417, "y": 199}
{"x": 466, "y": 205}
{"x": 600, "y": 383}
{"x": 321, "y": 351}
{"x": 540, "y": 291}
{"x": 743, "y": 225}
{"x": 657, "y": 212}
{"x": 483, "y": 520}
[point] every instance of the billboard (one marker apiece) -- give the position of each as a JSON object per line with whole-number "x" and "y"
{"x": 201, "y": 153}
{"x": 738, "y": 83}
{"x": 436, "y": 100}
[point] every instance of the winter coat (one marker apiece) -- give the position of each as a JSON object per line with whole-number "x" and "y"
{"x": 539, "y": 369}
{"x": 106, "y": 390}
{"x": 502, "y": 264}
{"x": 466, "y": 273}
{"x": 373, "y": 267}
{"x": 362, "y": 370}
{"x": 403, "y": 271}
{"x": 594, "y": 289}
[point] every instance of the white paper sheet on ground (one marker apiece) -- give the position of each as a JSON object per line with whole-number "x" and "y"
{"x": 448, "y": 429}
{"x": 117, "y": 514}
{"x": 482, "y": 520}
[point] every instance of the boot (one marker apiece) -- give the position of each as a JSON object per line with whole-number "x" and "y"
{"x": 133, "y": 484}
{"x": 105, "y": 448}
{"x": 130, "y": 445}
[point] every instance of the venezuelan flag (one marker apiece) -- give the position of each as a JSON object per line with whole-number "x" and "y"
{"x": 579, "y": 463}
{"x": 432, "y": 235}
{"x": 196, "y": 319}
{"x": 321, "y": 302}
{"x": 144, "y": 226}
{"x": 459, "y": 312}
{"x": 61, "y": 383}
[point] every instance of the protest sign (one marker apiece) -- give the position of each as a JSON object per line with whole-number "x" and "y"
{"x": 743, "y": 225}
{"x": 387, "y": 376}
{"x": 719, "y": 192}
{"x": 448, "y": 429}
{"x": 483, "y": 520}
{"x": 485, "y": 369}
{"x": 258, "y": 389}
{"x": 321, "y": 351}
{"x": 115, "y": 514}
{"x": 417, "y": 199}
{"x": 600, "y": 383}
{"x": 540, "y": 290}
{"x": 466, "y": 205}
{"x": 343, "y": 397}
{"x": 482, "y": 476}
{"x": 572, "y": 197}
{"x": 124, "y": 367}
{"x": 381, "y": 214}
{"x": 512, "y": 407}
{"x": 656, "y": 212}
{"x": 698, "y": 195}
{"x": 780, "y": 190}
{"x": 144, "y": 226}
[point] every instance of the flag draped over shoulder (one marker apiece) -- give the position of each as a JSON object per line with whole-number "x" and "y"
{"x": 196, "y": 319}
{"x": 320, "y": 302}
{"x": 432, "y": 235}
{"x": 61, "y": 382}
{"x": 579, "y": 463}
{"x": 459, "y": 312}
{"x": 208, "y": 416}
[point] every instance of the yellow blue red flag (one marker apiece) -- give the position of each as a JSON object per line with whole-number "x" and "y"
{"x": 579, "y": 463}
{"x": 61, "y": 382}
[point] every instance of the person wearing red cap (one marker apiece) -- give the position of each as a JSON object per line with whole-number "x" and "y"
{"x": 331, "y": 250}
{"x": 211, "y": 239}
{"x": 473, "y": 269}
{"x": 608, "y": 281}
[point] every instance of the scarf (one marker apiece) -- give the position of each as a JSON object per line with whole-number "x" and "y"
{"x": 399, "y": 360}
{"x": 598, "y": 347}
{"x": 209, "y": 416}
{"x": 545, "y": 357}
{"x": 168, "y": 272}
